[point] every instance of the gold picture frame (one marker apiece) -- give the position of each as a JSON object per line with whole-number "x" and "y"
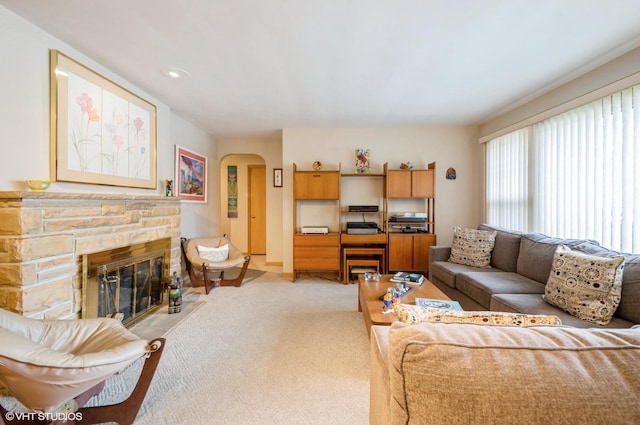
{"x": 101, "y": 133}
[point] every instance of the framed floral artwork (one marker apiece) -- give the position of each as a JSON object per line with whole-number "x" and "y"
{"x": 101, "y": 133}
{"x": 191, "y": 175}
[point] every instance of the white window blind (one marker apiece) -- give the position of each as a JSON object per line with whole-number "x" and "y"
{"x": 581, "y": 174}
{"x": 508, "y": 181}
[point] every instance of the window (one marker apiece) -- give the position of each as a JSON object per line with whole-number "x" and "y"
{"x": 572, "y": 175}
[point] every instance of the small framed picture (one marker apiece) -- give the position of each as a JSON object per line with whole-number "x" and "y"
{"x": 277, "y": 177}
{"x": 191, "y": 175}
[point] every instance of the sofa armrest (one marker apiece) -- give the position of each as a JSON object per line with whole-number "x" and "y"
{"x": 439, "y": 253}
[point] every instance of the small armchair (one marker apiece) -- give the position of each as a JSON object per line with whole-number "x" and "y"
{"x": 205, "y": 269}
{"x": 55, "y": 366}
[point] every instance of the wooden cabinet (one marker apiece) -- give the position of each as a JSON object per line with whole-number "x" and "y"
{"x": 410, "y": 183}
{"x": 319, "y": 252}
{"x": 316, "y": 185}
{"x": 410, "y": 236}
{"x": 404, "y": 244}
{"x": 316, "y": 252}
{"x": 410, "y": 251}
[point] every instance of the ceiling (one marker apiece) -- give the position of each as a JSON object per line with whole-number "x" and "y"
{"x": 258, "y": 66}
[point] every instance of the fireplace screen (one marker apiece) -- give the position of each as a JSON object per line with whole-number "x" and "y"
{"x": 126, "y": 290}
{"x": 124, "y": 283}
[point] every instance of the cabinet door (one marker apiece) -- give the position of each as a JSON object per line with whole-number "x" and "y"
{"x": 421, "y": 244}
{"x": 399, "y": 184}
{"x": 400, "y": 252}
{"x": 422, "y": 184}
{"x": 316, "y": 185}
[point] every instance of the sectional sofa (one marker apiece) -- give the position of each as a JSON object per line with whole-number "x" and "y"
{"x": 520, "y": 266}
{"x": 472, "y": 373}
{"x": 453, "y": 373}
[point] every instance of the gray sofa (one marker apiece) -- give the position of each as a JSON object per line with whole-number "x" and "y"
{"x": 520, "y": 266}
{"x": 453, "y": 373}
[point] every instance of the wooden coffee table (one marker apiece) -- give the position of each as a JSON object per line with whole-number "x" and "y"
{"x": 370, "y": 305}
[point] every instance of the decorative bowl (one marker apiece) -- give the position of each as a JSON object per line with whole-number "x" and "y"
{"x": 38, "y": 185}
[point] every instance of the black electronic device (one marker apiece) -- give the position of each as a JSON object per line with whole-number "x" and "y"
{"x": 361, "y": 225}
{"x": 363, "y": 208}
{"x": 362, "y": 228}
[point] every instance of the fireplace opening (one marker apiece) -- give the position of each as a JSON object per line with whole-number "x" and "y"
{"x": 125, "y": 283}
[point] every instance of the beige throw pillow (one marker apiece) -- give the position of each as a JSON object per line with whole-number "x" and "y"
{"x": 413, "y": 314}
{"x": 212, "y": 254}
{"x": 472, "y": 247}
{"x": 585, "y": 286}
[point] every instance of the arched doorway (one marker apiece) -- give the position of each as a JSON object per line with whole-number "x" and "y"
{"x": 243, "y": 201}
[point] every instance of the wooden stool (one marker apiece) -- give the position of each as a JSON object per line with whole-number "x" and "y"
{"x": 368, "y": 265}
{"x": 362, "y": 254}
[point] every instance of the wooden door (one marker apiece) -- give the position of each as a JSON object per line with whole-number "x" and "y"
{"x": 399, "y": 184}
{"x": 318, "y": 185}
{"x": 421, "y": 245}
{"x": 257, "y": 210}
{"x": 422, "y": 184}
{"x": 400, "y": 252}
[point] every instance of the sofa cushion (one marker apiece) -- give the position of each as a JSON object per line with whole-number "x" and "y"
{"x": 629, "y": 308}
{"x": 536, "y": 254}
{"x": 542, "y": 374}
{"x": 481, "y": 286}
{"x": 472, "y": 247}
{"x": 413, "y": 314}
{"x": 534, "y": 304}
{"x": 506, "y": 249}
{"x": 446, "y": 272}
{"x": 587, "y": 286}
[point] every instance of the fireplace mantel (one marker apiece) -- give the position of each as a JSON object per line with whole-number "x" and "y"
{"x": 43, "y": 236}
{"x": 18, "y": 195}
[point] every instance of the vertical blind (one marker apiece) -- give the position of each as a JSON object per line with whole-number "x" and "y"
{"x": 573, "y": 175}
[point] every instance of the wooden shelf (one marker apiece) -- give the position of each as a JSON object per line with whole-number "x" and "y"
{"x": 363, "y": 175}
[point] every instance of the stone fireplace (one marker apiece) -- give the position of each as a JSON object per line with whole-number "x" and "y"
{"x": 46, "y": 236}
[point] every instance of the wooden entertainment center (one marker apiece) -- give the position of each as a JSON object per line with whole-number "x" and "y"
{"x": 399, "y": 241}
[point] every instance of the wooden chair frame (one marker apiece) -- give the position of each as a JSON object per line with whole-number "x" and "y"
{"x": 124, "y": 413}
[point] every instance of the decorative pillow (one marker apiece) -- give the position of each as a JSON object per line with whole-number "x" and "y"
{"x": 413, "y": 314}
{"x": 212, "y": 254}
{"x": 472, "y": 247}
{"x": 585, "y": 286}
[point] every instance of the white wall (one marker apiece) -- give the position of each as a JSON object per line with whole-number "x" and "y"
{"x": 24, "y": 120}
{"x": 458, "y": 202}
{"x": 197, "y": 218}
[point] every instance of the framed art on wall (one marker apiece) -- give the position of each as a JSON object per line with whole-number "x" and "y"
{"x": 191, "y": 175}
{"x": 277, "y": 177}
{"x": 101, "y": 133}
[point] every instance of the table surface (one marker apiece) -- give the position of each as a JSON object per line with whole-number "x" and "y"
{"x": 371, "y": 306}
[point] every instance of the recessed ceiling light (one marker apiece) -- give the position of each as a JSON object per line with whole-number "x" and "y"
{"x": 175, "y": 73}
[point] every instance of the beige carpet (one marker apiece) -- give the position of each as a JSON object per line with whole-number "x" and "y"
{"x": 269, "y": 352}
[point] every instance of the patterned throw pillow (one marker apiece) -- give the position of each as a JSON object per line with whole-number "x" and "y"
{"x": 585, "y": 286}
{"x": 212, "y": 254}
{"x": 472, "y": 247}
{"x": 413, "y": 314}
